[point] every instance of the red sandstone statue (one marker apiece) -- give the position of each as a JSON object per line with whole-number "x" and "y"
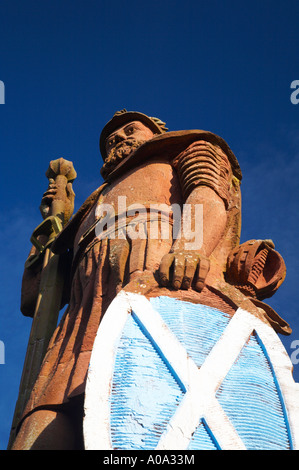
{"x": 150, "y": 168}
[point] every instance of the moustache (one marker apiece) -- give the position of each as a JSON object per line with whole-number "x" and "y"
{"x": 118, "y": 153}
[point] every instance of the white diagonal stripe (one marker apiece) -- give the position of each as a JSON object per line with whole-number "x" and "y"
{"x": 200, "y": 384}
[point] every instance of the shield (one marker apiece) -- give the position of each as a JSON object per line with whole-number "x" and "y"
{"x": 167, "y": 374}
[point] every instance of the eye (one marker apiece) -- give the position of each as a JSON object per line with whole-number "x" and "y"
{"x": 110, "y": 142}
{"x": 130, "y": 130}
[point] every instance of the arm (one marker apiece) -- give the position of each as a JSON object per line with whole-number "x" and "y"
{"x": 32, "y": 275}
{"x": 30, "y": 287}
{"x": 204, "y": 173}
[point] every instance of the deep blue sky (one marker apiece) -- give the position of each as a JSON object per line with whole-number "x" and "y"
{"x": 68, "y": 65}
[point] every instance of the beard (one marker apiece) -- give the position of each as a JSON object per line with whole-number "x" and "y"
{"x": 119, "y": 153}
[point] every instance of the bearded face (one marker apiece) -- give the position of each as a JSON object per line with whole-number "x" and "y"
{"x": 123, "y": 142}
{"x": 119, "y": 153}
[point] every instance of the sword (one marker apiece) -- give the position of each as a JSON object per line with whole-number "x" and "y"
{"x": 51, "y": 287}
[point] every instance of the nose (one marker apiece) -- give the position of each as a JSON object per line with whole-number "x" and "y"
{"x": 120, "y": 136}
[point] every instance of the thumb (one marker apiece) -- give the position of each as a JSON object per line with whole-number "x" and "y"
{"x": 69, "y": 191}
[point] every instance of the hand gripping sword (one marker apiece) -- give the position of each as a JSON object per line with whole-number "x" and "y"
{"x": 51, "y": 287}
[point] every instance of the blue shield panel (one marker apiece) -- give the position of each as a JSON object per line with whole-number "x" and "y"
{"x": 179, "y": 377}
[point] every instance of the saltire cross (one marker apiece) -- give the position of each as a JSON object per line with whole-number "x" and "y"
{"x": 146, "y": 390}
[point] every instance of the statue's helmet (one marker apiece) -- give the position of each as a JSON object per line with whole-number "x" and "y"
{"x": 123, "y": 117}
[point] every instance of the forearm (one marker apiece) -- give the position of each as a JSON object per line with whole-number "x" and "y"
{"x": 57, "y": 200}
{"x": 205, "y": 173}
{"x": 203, "y": 222}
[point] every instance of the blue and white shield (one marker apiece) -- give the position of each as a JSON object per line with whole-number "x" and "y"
{"x": 167, "y": 374}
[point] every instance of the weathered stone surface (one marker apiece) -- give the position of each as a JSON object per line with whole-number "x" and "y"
{"x": 146, "y": 166}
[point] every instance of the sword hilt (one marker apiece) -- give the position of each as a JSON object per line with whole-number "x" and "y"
{"x": 62, "y": 172}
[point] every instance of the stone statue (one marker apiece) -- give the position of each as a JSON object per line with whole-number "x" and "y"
{"x": 166, "y": 222}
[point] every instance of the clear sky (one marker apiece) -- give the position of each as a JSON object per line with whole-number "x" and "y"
{"x": 68, "y": 65}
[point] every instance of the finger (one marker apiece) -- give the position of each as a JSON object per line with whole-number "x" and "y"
{"x": 179, "y": 271}
{"x": 232, "y": 265}
{"x": 44, "y": 209}
{"x": 50, "y": 192}
{"x": 52, "y": 185}
{"x": 240, "y": 261}
{"x": 47, "y": 199}
{"x": 269, "y": 243}
{"x": 190, "y": 269}
{"x": 203, "y": 269}
{"x": 164, "y": 268}
{"x": 69, "y": 191}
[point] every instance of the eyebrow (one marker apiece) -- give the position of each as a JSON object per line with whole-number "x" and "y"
{"x": 125, "y": 128}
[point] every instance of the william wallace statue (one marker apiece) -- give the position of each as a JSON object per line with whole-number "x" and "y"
{"x": 152, "y": 171}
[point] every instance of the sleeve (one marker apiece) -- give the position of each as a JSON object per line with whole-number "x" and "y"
{"x": 204, "y": 164}
{"x": 32, "y": 278}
